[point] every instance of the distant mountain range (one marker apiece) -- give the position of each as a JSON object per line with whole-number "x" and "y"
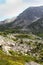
{"x": 30, "y": 20}
{"x": 7, "y": 21}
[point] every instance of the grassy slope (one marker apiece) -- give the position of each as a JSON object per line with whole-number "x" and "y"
{"x": 14, "y": 59}
{"x": 9, "y": 60}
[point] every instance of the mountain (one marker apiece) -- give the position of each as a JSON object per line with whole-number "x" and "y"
{"x": 29, "y": 15}
{"x": 30, "y": 20}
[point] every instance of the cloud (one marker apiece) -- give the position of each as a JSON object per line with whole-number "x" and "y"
{"x": 13, "y": 8}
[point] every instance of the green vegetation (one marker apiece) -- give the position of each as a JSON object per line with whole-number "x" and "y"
{"x": 17, "y": 58}
{"x": 29, "y": 36}
{"x": 10, "y": 60}
{"x": 41, "y": 35}
{"x": 14, "y": 59}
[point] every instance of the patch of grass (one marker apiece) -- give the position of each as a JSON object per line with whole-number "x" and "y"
{"x": 9, "y": 60}
{"x": 29, "y": 36}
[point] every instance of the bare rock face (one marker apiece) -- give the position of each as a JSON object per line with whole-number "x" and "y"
{"x": 28, "y": 16}
{"x": 32, "y": 63}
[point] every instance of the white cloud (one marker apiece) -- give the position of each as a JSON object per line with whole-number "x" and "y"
{"x": 12, "y": 8}
{"x": 13, "y": 1}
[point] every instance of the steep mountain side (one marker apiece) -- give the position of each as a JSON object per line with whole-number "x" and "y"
{"x": 29, "y": 15}
{"x": 26, "y": 17}
{"x": 37, "y": 26}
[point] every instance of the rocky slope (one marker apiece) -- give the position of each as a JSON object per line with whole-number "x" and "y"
{"x": 37, "y": 26}
{"x": 27, "y": 46}
{"x": 30, "y": 15}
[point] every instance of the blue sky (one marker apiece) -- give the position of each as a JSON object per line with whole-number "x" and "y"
{"x": 2, "y": 1}
{"x": 12, "y": 8}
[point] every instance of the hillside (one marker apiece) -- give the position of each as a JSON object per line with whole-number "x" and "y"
{"x": 37, "y": 27}
{"x": 21, "y": 39}
{"x": 21, "y": 49}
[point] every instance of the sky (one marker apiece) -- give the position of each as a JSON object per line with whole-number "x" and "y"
{"x": 12, "y": 8}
